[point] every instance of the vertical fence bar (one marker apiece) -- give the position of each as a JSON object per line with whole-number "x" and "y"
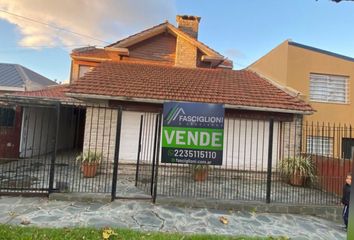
{"x": 139, "y": 150}
{"x": 54, "y": 154}
{"x": 116, "y": 154}
{"x": 157, "y": 158}
{"x": 154, "y": 155}
{"x": 270, "y": 155}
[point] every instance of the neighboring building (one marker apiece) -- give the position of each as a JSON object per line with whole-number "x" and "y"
{"x": 15, "y": 78}
{"x": 160, "y": 64}
{"x": 323, "y": 79}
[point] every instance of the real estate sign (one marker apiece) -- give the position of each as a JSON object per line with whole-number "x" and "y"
{"x": 193, "y": 133}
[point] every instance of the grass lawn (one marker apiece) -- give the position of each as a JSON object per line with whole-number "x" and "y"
{"x": 35, "y": 233}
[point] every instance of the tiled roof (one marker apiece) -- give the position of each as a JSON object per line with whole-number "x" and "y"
{"x": 15, "y": 75}
{"x": 159, "y": 82}
{"x": 53, "y": 92}
{"x": 90, "y": 52}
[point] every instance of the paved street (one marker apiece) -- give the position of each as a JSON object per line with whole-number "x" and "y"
{"x": 145, "y": 216}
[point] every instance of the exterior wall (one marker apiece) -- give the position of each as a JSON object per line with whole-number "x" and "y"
{"x": 301, "y": 63}
{"x": 291, "y": 66}
{"x": 290, "y": 136}
{"x": 158, "y": 48}
{"x": 100, "y": 131}
{"x": 274, "y": 65}
{"x": 38, "y": 132}
{"x": 186, "y": 54}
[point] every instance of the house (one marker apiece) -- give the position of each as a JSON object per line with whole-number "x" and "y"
{"x": 323, "y": 79}
{"x": 162, "y": 63}
{"x": 15, "y": 78}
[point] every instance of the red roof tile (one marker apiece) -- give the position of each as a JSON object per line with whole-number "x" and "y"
{"x": 53, "y": 92}
{"x": 90, "y": 52}
{"x": 149, "y": 81}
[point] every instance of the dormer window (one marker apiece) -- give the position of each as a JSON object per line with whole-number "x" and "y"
{"x": 83, "y": 69}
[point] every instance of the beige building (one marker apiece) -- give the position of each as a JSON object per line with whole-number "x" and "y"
{"x": 323, "y": 79}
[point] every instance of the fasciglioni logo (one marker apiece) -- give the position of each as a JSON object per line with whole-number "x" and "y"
{"x": 178, "y": 112}
{"x": 173, "y": 114}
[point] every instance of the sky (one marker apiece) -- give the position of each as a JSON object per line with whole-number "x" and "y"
{"x": 40, "y": 34}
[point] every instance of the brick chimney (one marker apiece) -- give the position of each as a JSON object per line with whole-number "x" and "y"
{"x": 186, "y": 53}
{"x": 188, "y": 24}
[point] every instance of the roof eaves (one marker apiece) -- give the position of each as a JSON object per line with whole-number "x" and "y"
{"x": 95, "y": 59}
{"x": 123, "y": 42}
{"x": 82, "y": 96}
{"x": 321, "y": 51}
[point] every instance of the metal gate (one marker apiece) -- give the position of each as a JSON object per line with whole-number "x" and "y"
{"x": 148, "y": 154}
{"x": 30, "y": 133}
{"x": 57, "y": 143}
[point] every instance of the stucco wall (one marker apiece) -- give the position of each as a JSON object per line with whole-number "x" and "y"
{"x": 274, "y": 64}
{"x": 301, "y": 63}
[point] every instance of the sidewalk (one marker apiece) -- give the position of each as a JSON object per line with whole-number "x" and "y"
{"x": 145, "y": 216}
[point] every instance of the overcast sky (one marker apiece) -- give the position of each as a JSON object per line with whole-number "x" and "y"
{"x": 242, "y": 30}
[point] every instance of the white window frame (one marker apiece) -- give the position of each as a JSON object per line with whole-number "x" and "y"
{"x": 328, "y": 88}
{"x": 318, "y": 145}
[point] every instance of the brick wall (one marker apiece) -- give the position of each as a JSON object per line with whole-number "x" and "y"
{"x": 189, "y": 25}
{"x": 290, "y": 139}
{"x": 186, "y": 54}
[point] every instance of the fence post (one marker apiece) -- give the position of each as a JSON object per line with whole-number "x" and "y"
{"x": 157, "y": 159}
{"x": 54, "y": 154}
{"x": 154, "y": 154}
{"x": 139, "y": 150}
{"x": 116, "y": 154}
{"x": 270, "y": 155}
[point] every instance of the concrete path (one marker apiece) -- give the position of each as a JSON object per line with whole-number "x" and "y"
{"x": 145, "y": 216}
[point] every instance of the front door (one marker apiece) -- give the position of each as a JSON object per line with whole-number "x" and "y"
{"x": 10, "y": 130}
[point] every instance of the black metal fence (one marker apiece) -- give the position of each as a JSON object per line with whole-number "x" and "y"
{"x": 63, "y": 148}
{"x": 28, "y": 148}
{"x": 75, "y": 148}
{"x": 269, "y": 161}
{"x": 148, "y": 153}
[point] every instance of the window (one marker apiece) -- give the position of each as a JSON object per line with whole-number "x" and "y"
{"x": 328, "y": 88}
{"x": 320, "y": 145}
{"x": 83, "y": 70}
{"x": 348, "y": 148}
{"x": 7, "y": 117}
